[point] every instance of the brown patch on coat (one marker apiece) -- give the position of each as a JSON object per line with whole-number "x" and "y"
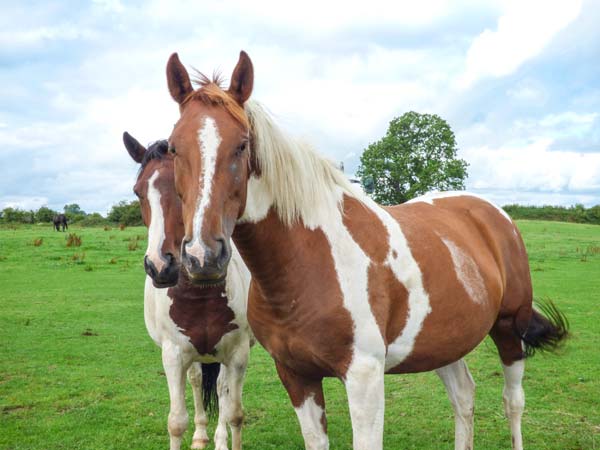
{"x": 366, "y": 229}
{"x": 388, "y": 299}
{"x": 294, "y": 308}
{"x": 201, "y": 313}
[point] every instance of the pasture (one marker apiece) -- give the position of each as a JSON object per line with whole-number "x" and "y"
{"x": 78, "y": 370}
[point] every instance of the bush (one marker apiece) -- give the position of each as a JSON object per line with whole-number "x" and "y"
{"x": 126, "y": 213}
{"x": 73, "y": 240}
{"x": 93, "y": 220}
{"x": 577, "y": 213}
{"x": 45, "y": 214}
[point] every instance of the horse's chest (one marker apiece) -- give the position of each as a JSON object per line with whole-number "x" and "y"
{"x": 203, "y": 320}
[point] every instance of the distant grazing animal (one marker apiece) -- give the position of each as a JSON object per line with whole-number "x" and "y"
{"x": 58, "y": 220}
{"x": 192, "y": 324}
{"x": 341, "y": 286}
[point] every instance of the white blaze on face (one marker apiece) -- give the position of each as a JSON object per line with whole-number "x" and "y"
{"x": 467, "y": 272}
{"x": 208, "y": 144}
{"x": 156, "y": 231}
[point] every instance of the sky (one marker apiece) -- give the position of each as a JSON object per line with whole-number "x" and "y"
{"x": 518, "y": 82}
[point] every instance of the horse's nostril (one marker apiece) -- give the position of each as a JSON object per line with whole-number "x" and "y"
{"x": 149, "y": 267}
{"x": 170, "y": 258}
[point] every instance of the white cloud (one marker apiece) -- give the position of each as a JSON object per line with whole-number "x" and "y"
{"x": 523, "y": 31}
{"x": 533, "y": 168}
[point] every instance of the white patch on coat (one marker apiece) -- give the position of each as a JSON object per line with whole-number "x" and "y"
{"x": 351, "y": 266}
{"x": 407, "y": 271}
{"x": 467, "y": 272}
{"x": 430, "y": 197}
{"x": 209, "y": 140}
{"x": 258, "y": 201}
{"x": 156, "y": 231}
{"x": 309, "y": 415}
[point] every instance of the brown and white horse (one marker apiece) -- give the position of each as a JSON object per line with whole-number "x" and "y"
{"x": 197, "y": 327}
{"x": 343, "y": 287}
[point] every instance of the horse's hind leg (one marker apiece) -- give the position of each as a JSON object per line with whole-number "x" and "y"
{"x": 200, "y": 439}
{"x": 461, "y": 392}
{"x": 511, "y": 353}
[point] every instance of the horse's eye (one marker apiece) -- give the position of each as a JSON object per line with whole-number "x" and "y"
{"x": 240, "y": 149}
{"x": 172, "y": 150}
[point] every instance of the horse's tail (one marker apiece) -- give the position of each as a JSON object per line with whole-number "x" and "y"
{"x": 210, "y": 398}
{"x": 547, "y": 329}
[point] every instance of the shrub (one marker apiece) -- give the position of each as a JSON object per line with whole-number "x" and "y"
{"x": 73, "y": 240}
{"x": 133, "y": 244}
{"x": 37, "y": 242}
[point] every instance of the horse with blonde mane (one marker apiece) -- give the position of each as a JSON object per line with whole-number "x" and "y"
{"x": 343, "y": 287}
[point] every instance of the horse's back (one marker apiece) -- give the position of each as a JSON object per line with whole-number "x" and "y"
{"x": 481, "y": 228}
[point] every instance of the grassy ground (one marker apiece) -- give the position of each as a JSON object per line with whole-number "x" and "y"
{"x": 78, "y": 371}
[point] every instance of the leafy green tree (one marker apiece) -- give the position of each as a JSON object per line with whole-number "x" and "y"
{"x": 14, "y": 215}
{"x": 127, "y": 213}
{"x": 417, "y": 155}
{"x": 74, "y": 212}
{"x": 44, "y": 214}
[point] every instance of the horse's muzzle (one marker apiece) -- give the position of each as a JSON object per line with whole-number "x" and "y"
{"x": 213, "y": 268}
{"x": 169, "y": 274}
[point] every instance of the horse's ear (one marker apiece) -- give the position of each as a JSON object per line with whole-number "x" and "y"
{"x": 178, "y": 79}
{"x": 134, "y": 148}
{"x": 242, "y": 79}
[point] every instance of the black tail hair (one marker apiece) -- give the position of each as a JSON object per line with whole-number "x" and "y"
{"x": 210, "y": 398}
{"x": 547, "y": 329}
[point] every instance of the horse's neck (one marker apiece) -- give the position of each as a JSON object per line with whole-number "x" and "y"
{"x": 270, "y": 250}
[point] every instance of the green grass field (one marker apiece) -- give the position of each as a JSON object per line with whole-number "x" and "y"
{"x": 78, "y": 370}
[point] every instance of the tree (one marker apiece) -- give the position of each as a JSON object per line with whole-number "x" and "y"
{"x": 44, "y": 214}
{"x": 127, "y": 213}
{"x": 74, "y": 213}
{"x": 417, "y": 155}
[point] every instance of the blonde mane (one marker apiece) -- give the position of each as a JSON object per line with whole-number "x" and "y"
{"x": 303, "y": 184}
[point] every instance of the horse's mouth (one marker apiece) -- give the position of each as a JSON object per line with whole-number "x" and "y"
{"x": 207, "y": 281}
{"x": 166, "y": 284}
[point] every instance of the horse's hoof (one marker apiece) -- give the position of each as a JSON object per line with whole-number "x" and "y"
{"x": 198, "y": 444}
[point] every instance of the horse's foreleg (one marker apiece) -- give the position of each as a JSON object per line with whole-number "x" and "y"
{"x": 236, "y": 371}
{"x": 200, "y": 439}
{"x": 461, "y": 392}
{"x": 307, "y": 397}
{"x": 364, "y": 386}
{"x": 173, "y": 363}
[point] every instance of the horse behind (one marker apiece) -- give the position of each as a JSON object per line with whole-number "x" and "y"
{"x": 343, "y": 287}
{"x": 201, "y": 329}
{"x": 60, "y": 220}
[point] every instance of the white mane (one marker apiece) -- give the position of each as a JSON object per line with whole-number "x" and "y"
{"x": 301, "y": 183}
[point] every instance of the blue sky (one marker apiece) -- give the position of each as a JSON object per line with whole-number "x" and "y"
{"x": 518, "y": 81}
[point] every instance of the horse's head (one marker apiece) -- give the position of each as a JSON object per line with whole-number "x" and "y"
{"x": 161, "y": 209}
{"x": 210, "y": 144}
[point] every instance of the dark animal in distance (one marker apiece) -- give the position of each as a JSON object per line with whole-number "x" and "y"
{"x": 60, "y": 220}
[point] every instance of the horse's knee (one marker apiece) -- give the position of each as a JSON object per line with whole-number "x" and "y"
{"x": 237, "y": 419}
{"x": 178, "y": 423}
